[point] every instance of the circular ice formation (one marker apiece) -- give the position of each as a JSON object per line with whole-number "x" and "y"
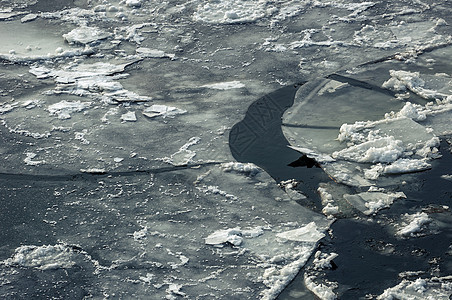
{"x": 231, "y": 11}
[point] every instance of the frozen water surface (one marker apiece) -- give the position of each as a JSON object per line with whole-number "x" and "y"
{"x": 225, "y": 149}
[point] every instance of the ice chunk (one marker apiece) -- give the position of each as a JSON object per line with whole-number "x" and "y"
{"x": 231, "y": 11}
{"x": 63, "y": 109}
{"x": 308, "y": 233}
{"x": 385, "y": 149}
{"x": 435, "y": 288}
{"x": 224, "y": 85}
{"x": 85, "y": 35}
{"x": 323, "y": 260}
{"x": 45, "y": 257}
{"x": 29, "y": 159}
{"x": 371, "y": 202}
{"x": 415, "y": 223}
{"x": 129, "y": 117}
{"x": 153, "y": 53}
{"x": 133, "y": 3}
{"x": 158, "y": 110}
{"x": 321, "y": 290}
{"x": 406, "y": 165}
{"x": 28, "y": 18}
{"x": 249, "y": 169}
{"x": 233, "y": 236}
{"x": 402, "y": 80}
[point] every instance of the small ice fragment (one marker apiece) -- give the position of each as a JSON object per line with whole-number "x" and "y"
{"x": 406, "y": 165}
{"x": 133, "y": 3}
{"x": 218, "y": 238}
{"x": 248, "y": 169}
{"x": 320, "y": 290}
{"x": 28, "y": 18}
{"x": 224, "y": 85}
{"x": 129, "y": 117}
{"x": 29, "y": 159}
{"x": 323, "y": 260}
{"x": 64, "y": 108}
{"x": 93, "y": 171}
{"x": 118, "y": 159}
{"x": 46, "y": 257}
{"x": 158, "y": 110}
{"x": 416, "y": 221}
{"x": 140, "y": 234}
{"x": 85, "y": 35}
{"x": 308, "y": 233}
{"x": 152, "y": 53}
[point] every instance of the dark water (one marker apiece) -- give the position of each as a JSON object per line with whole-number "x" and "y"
{"x": 370, "y": 256}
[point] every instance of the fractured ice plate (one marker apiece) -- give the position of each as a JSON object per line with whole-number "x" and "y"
{"x": 323, "y": 105}
{"x": 33, "y": 40}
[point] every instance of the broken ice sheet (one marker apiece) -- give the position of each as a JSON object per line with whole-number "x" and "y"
{"x": 158, "y": 110}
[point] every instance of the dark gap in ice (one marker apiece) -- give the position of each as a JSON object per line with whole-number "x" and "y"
{"x": 259, "y": 139}
{"x": 304, "y": 161}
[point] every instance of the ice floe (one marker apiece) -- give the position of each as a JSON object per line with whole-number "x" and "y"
{"x": 45, "y": 257}
{"x": 63, "y": 109}
{"x": 434, "y": 288}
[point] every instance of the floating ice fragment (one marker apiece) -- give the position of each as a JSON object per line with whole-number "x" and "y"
{"x": 385, "y": 149}
{"x": 402, "y": 80}
{"x": 435, "y": 288}
{"x": 153, "y": 53}
{"x": 158, "y": 110}
{"x": 308, "y": 233}
{"x": 249, "y": 169}
{"x": 29, "y": 159}
{"x": 140, "y": 234}
{"x": 321, "y": 290}
{"x": 28, "y": 18}
{"x": 64, "y": 108}
{"x": 218, "y": 238}
{"x": 233, "y": 236}
{"x": 412, "y": 111}
{"x": 231, "y": 11}
{"x": 93, "y": 171}
{"x": 45, "y": 257}
{"x": 129, "y": 117}
{"x": 85, "y": 35}
{"x": 371, "y": 202}
{"x": 133, "y": 3}
{"x": 416, "y": 221}
{"x": 406, "y": 165}
{"x": 224, "y": 85}
{"x": 323, "y": 260}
